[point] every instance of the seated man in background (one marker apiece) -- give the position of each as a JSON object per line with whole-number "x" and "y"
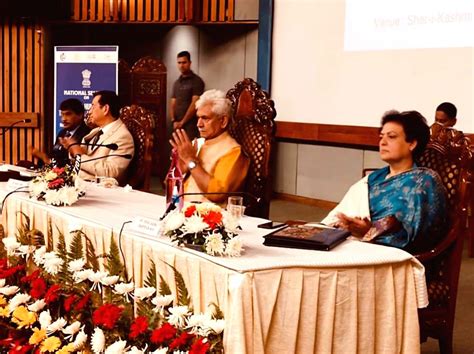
{"x": 214, "y": 163}
{"x": 400, "y": 205}
{"x": 72, "y": 120}
{"x": 98, "y": 160}
{"x": 446, "y": 114}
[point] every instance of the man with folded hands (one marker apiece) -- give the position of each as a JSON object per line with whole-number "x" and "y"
{"x": 98, "y": 160}
{"x": 214, "y": 163}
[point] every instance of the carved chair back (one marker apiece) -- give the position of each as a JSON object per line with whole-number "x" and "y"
{"x": 140, "y": 122}
{"x": 253, "y": 126}
{"x": 448, "y": 153}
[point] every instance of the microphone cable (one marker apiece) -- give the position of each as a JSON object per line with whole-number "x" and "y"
{"x": 27, "y": 120}
{"x": 19, "y": 189}
{"x": 125, "y": 274}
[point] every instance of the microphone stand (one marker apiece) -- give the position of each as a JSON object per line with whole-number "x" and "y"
{"x": 111, "y": 146}
{"x": 27, "y": 120}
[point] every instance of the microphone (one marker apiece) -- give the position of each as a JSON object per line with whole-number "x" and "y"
{"x": 176, "y": 198}
{"x": 112, "y": 146}
{"x": 26, "y": 120}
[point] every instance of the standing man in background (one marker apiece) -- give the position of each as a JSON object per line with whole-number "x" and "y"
{"x": 186, "y": 91}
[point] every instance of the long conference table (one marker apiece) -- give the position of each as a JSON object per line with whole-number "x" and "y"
{"x": 357, "y": 298}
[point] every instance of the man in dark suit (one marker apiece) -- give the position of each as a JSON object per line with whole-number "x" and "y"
{"x": 72, "y": 120}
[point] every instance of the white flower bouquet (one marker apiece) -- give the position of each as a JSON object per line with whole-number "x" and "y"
{"x": 57, "y": 186}
{"x": 206, "y": 226}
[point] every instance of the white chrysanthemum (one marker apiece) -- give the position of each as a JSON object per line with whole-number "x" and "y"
{"x": 56, "y": 326}
{"x": 160, "y": 351}
{"x": 98, "y": 340}
{"x": 82, "y": 275}
{"x": 128, "y": 188}
{"x": 17, "y": 300}
{"x": 110, "y": 280}
{"x": 173, "y": 221}
{"x": 45, "y": 319}
{"x": 124, "y": 289}
{"x": 234, "y": 247}
{"x": 178, "y": 315}
{"x": 216, "y": 326}
{"x": 36, "y": 306}
{"x": 72, "y": 329}
{"x": 116, "y": 348}
{"x": 68, "y": 195}
{"x": 2, "y": 283}
{"x": 25, "y": 250}
{"x": 143, "y": 293}
{"x": 194, "y": 224}
{"x": 52, "y": 197}
{"x": 195, "y": 322}
{"x": 9, "y": 290}
{"x": 161, "y": 301}
{"x": 37, "y": 187}
{"x": 11, "y": 244}
{"x": 80, "y": 185}
{"x": 52, "y": 263}
{"x": 214, "y": 244}
{"x": 96, "y": 278}
{"x": 80, "y": 339}
{"x": 76, "y": 265}
{"x": 135, "y": 350}
{"x": 38, "y": 256}
{"x": 203, "y": 208}
{"x": 50, "y": 175}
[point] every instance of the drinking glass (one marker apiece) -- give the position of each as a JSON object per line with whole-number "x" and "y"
{"x": 235, "y": 206}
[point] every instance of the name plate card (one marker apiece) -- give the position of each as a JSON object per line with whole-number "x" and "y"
{"x": 147, "y": 226}
{"x": 14, "y": 184}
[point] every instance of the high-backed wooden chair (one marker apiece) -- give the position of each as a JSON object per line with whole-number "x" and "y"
{"x": 253, "y": 126}
{"x": 140, "y": 122}
{"x": 450, "y": 155}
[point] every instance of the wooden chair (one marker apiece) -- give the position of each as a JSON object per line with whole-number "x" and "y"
{"x": 449, "y": 154}
{"x": 140, "y": 122}
{"x": 253, "y": 126}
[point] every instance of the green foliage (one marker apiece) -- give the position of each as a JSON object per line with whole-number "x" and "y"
{"x": 91, "y": 259}
{"x": 114, "y": 265}
{"x": 61, "y": 250}
{"x": 50, "y": 243}
{"x": 182, "y": 294}
{"x": 217, "y": 314}
{"x": 22, "y": 230}
{"x": 151, "y": 280}
{"x": 164, "y": 287}
{"x": 76, "y": 250}
{"x": 3, "y": 252}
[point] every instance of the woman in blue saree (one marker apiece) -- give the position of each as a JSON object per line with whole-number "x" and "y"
{"x": 406, "y": 203}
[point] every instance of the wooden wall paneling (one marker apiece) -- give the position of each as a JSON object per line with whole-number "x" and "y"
{"x": 189, "y": 10}
{"x": 92, "y": 10}
{"x": 230, "y": 11}
{"x": 38, "y": 75}
{"x": 213, "y": 10}
{"x": 164, "y": 10}
{"x": 156, "y": 10}
{"x": 172, "y": 9}
{"x": 115, "y": 10}
{"x": 181, "y": 10}
{"x": 29, "y": 83}
{"x": 132, "y": 11}
{"x": 148, "y": 10}
{"x": 100, "y": 10}
{"x": 140, "y": 10}
{"x": 76, "y": 16}
{"x": 85, "y": 12}
{"x": 222, "y": 10}
{"x": 22, "y": 139}
{"x": 106, "y": 10}
{"x": 2, "y": 81}
{"x": 124, "y": 12}
{"x": 205, "y": 10}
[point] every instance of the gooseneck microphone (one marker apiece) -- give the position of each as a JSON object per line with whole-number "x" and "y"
{"x": 112, "y": 146}
{"x": 125, "y": 156}
{"x": 26, "y": 120}
{"x": 176, "y": 198}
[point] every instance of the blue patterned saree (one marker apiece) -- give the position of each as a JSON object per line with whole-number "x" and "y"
{"x": 416, "y": 199}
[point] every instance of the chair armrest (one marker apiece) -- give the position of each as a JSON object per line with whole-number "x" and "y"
{"x": 442, "y": 246}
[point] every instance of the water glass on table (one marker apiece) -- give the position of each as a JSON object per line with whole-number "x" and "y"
{"x": 235, "y": 206}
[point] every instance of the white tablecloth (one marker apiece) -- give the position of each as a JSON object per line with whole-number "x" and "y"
{"x": 357, "y": 298}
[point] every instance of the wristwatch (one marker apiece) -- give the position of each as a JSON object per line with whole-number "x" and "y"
{"x": 191, "y": 165}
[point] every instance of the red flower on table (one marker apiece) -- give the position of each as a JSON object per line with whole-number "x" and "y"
{"x": 58, "y": 170}
{"x": 82, "y": 302}
{"x": 181, "y": 341}
{"x": 139, "y": 326}
{"x": 68, "y": 301}
{"x": 31, "y": 277}
{"x": 212, "y": 218}
{"x": 162, "y": 334}
{"x": 38, "y": 288}
{"x": 52, "y": 294}
{"x": 57, "y": 183}
{"x": 107, "y": 315}
{"x": 190, "y": 211}
{"x": 199, "y": 347}
{"x": 10, "y": 271}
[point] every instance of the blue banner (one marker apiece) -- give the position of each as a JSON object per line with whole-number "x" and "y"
{"x": 79, "y": 71}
